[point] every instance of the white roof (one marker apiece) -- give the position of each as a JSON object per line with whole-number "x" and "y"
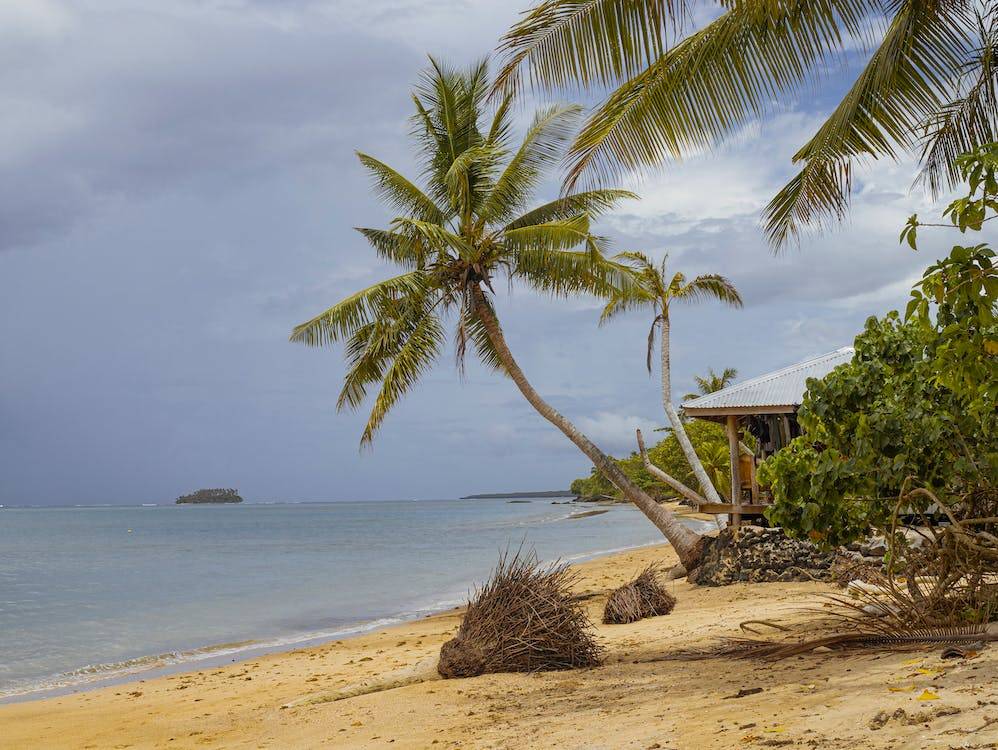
{"x": 783, "y": 388}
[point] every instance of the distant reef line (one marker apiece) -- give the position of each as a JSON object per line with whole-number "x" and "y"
{"x": 504, "y": 495}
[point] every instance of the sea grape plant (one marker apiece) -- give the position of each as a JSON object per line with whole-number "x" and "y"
{"x": 918, "y": 404}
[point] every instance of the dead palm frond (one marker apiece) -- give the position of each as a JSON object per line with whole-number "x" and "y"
{"x": 524, "y": 619}
{"x": 914, "y": 640}
{"x": 643, "y": 597}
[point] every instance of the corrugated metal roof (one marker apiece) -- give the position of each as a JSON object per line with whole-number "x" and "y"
{"x": 781, "y": 388}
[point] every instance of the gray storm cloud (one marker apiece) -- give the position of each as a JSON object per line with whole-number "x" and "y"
{"x": 178, "y": 188}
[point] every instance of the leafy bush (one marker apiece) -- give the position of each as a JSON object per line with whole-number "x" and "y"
{"x": 916, "y": 407}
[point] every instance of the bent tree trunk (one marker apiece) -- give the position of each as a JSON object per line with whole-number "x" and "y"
{"x": 687, "y": 543}
{"x": 706, "y": 486}
{"x": 652, "y": 469}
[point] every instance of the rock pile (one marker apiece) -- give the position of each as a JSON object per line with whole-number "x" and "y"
{"x": 759, "y": 555}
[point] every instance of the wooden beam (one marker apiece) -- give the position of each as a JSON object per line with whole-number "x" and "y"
{"x": 736, "y": 482}
{"x": 717, "y": 508}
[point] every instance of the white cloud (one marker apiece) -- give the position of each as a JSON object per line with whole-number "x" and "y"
{"x": 615, "y": 432}
{"x": 34, "y": 19}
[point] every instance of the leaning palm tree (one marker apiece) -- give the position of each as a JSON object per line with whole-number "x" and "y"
{"x": 712, "y": 382}
{"x": 657, "y": 289}
{"x": 929, "y": 85}
{"x": 465, "y": 229}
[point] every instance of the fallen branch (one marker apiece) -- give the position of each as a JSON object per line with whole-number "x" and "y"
{"x": 656, "y": 472}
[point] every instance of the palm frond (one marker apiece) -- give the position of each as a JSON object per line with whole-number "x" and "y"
{"x": 469, "y": 177}
{"x": 346, "y": 316}
{"x": 420, "y": 348}
{"x": 714, "y": 81}
{"x": 437, "y": 236}
{"x": 621, "y": 302}
{"x": 448, "y": 106}
{"x": 591, "y": 202}
{"x": 563, "y": 42}
{"x": 707, "y": 286}
{"x": 407, "y": 250}
{"x": 969, "y": 120}
{"x": 902, "y": 85}
{"x": 399, "y": 192}
{"x": 471, "y": 328}
{"x": 564, "y": 272}
{"x": 561, "y": 234}
{"x": 541, "y": 147}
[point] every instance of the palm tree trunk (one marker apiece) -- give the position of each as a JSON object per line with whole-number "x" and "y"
{"x": 706, "y": 486}
{"x": 687, "y": 543}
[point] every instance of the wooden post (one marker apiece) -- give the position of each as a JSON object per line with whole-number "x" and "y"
{"x": 736, "y": 482}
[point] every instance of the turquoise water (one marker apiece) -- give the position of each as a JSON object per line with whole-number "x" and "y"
{"x": 94, "y": 593}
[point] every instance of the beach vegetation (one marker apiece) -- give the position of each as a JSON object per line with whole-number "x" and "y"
{"x": 904, "y": 438}
{"x": 708, "y": 440}
{"x": 468, "y": 228}
{"x": 914, "y": 415}
{"x": 674, "y": 88}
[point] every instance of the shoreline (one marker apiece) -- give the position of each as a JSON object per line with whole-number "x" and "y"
{"x": 219, "y": 654}
{"x": 381, "y": 690}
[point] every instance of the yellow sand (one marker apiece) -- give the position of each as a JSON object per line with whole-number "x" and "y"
{"x": 296, "y": 699}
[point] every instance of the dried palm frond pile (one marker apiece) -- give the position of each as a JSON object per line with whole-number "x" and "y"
{"x": 643, "y": 597}
{"x": 524, "y": 619}
{"x": 941, "y": 593}
{"x": 846, "y": 569}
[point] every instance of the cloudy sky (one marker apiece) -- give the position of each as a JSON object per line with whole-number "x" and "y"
{"x": 177, "y": 190}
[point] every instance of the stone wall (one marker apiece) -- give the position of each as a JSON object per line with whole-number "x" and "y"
{"x": 758, "y": 555}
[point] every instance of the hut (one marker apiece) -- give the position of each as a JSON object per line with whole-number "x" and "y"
{"x": 765, "y": 407}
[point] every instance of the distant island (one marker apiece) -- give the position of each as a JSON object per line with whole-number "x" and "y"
{"x": 210, "y": 496}
{"x": 501, "y": 495}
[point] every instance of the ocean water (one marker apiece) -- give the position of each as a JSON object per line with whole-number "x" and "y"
{"x": 92, "y": 593}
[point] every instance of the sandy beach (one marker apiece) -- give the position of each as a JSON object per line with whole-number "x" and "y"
{"x": 381, "y": 690}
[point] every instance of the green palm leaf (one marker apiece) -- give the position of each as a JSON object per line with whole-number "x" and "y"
{"x": 563, "y": 42}
{"x": 592, "y": 202}
{"x": 541, "y": 148}
{"x": 561, "y": 234}
{"x": 399, "y": 193}
{"x": 562, "y": 273}
{"x": 420, "y": 348}
{"x": 710, "y": 286}
{"x": 966, "y": 122}
{"x": 712, "y": 82}
{"x": 901, "y": 86}
{"x": 407, "y": 250}
{"x": 345, "y": 317}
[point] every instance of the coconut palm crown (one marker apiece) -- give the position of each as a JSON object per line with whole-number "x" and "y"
{"x": 455, "y": 236}
{"x": 466, "y": 228}
{"x": 712, "y": 382}
{"x": 655, "y": 288}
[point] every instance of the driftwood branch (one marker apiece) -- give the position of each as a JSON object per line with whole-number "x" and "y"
{"x": 656, "y": 472}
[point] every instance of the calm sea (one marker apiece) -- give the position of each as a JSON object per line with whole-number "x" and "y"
{"x": 88, "y": 594}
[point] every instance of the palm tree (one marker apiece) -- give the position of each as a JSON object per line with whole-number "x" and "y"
{"x": 454, "y": 238}
{"x": 712, "y": 382}
{"x": 657, "y": 289}
{"x": 929, "y": 85}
